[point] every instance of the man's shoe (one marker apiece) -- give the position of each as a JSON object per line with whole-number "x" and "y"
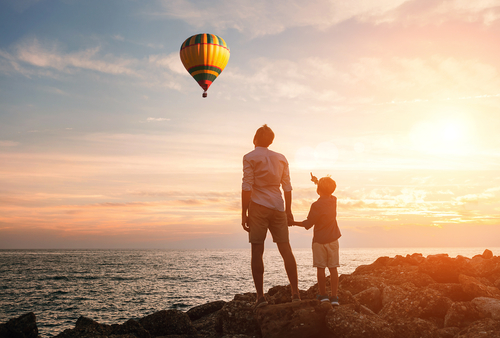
{"x": 295, "y": 298}
{"x": 335, "y": 300}
{"x": 261, "y": 302}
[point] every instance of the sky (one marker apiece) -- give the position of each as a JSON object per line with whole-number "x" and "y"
{"x": 106, "y": 142}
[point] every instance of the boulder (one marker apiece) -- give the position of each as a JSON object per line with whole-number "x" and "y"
{"x": 238, "y": 317}
{"x": 414, "y": 328}
{"x": 357, "y": 283}
{"x": 423, "y": 303}
{"x": 453, "y": 291}
{"x": 461, "y": 314}
{"x": 89, "y": 328}
{"x": 304, "y": 319}
{"x": 447, "y": 332}
{"x": 283, "y": 294}
{"x": 483, "y": 267}
{"x": 208, "y": 326}
{"x": 488, "y": 328}
{"x": 203, "y": 310}
{"x": 444, "y": 269}
{"x": 21, "y": 327}
{"x": 474, "y": 288}
{"x": 345, "y": 322}
{"x": 487, "y": 254}
{"x": 488, "y": 306}
{"x": 371, "y": 298}
{"x": 168, "y": 322}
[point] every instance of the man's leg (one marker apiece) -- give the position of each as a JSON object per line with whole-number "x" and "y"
{"x": 258, "y": 268}
{"x": 290, "y": 266}
{"x": 321, "y": 281}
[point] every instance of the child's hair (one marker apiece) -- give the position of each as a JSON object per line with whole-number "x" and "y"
{"x": 327, "y": 185}
{"x": 264, "y": 136}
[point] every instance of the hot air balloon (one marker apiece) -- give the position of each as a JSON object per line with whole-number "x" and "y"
{"x": 204, "y": 56}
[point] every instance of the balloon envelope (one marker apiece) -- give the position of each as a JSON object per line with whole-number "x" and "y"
{"x": 204, "y": 56}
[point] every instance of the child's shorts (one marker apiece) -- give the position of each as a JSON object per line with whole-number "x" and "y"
{"x": 326, "y": 255}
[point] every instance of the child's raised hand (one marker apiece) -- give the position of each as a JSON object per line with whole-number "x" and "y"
{"x": 314, "y": 178}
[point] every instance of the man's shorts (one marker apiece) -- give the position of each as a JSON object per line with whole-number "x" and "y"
{"x": 261, "y": 218}
{"x": 326, "y": 255}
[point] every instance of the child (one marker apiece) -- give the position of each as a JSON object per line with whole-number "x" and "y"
{"x": 325, "y": 246}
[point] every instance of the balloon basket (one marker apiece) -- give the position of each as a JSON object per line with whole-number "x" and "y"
{"x": 204, "y": 94}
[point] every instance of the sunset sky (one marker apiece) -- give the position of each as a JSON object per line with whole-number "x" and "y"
{"x": 106, "y": 142}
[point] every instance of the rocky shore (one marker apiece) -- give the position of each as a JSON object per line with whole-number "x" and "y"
{"x": 400, "y": 297}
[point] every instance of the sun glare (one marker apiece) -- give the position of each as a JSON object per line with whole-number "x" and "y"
{"x": 446, "y": 136}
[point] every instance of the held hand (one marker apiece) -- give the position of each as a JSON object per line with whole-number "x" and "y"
{"x": 289, "y": 218}
{"x": 244, "y": 223}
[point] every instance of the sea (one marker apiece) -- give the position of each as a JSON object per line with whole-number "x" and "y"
{"x": 112, "y": 286}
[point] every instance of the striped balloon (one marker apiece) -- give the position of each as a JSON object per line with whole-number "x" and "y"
{"x": 204, "y": 56}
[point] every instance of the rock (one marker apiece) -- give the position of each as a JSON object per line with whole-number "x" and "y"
{"x": 130, "y": 327}
{"x": 200, "y": 311}
{"x": 444, "y": 269}
{"x": 395, "y": 293}
{"x": 421, "y": 303}
{"x": 344, "y": 321}
{"x": 89, "y": 328}
{"x": 21, "y": 327}
{"x": 474, "y": 288}
{"x": 304, "y": 319}
{"x": 371, "y": 298}
{"x": 461, "y": 314}
{"x": 168, "y": 322}
{"x": 237, "y": 317}
{"x": 357, "y": 283}
{"x": 447, "y": 332}
{"x": 488, "y": 306}
{"x": 249, "y": 297}
{"x": 487, "y": 254}
{"x": 487, "y": 328}
{"x": 208, "y": 326}
{"x": 483, "y": 267}
{"x": 414, "y": 328}
{"x": 454, "y": 291}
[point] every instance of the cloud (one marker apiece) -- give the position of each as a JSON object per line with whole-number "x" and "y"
{"x": 170, "y": 61}
{"x": 262, "y": 17}
{"x": 41, "y": 55}
{"x": 419, "y": 12}
{"x": 265, "y": 17}
{"x": 156, "y": 119}
{"x": 7, "y": 143}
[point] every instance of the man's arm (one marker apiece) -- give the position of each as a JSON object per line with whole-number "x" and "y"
{"x": 245, "y": 202}
{"x": 288, "y": 206}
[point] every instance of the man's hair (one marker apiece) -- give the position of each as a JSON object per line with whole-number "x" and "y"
{"x": 327, "y": 185}
{"x": 264, "y": 136}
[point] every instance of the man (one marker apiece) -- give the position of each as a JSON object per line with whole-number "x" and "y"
{"x": 264, "y": 171}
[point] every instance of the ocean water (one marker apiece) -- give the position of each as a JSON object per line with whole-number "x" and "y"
{"x": 112, "y": 286}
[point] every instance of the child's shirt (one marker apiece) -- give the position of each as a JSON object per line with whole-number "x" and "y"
{"x": 323, "y": 216}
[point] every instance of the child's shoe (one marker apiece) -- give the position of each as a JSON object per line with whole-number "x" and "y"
{"x": 334, "y": 300}
{"x": 323, "y": 298}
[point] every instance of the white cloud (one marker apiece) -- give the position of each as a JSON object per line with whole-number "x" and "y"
{"x": 171, "y": 61}
{"x": 157, "y": 119}
{"x": 33, "y": 57}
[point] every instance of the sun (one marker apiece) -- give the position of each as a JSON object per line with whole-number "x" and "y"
{"x": 441, "y": 136}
